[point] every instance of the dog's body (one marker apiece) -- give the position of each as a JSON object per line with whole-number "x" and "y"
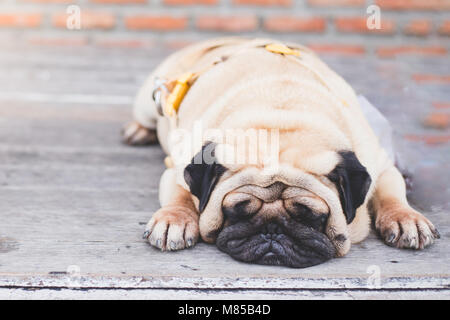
{"x": 330, "y": 165}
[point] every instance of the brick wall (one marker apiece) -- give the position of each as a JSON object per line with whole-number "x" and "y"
{"x": 420, "y": 27}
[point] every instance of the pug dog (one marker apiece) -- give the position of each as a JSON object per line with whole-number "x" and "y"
{"x": 329, "y": 179}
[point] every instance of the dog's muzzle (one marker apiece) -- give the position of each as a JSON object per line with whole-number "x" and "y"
{"x": 283, "y": 242}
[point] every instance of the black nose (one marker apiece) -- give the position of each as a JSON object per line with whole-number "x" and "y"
{"x": 271, "y": 228}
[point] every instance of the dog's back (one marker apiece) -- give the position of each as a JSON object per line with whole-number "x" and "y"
{"x": 276, "y": 91}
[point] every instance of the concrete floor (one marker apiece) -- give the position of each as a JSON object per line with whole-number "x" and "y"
{"x": 74, "y": 200}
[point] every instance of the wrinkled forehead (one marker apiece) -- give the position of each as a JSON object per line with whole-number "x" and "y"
{"x": 268, "y": 183}
{"x": 277, "y": 191}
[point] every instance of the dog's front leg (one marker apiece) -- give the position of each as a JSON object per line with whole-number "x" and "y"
{"x": 398, "y": 224}
{"x": 175, "y": 225}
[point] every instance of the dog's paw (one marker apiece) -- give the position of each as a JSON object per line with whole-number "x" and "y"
{"x": 136, "y": 135}
{"x": 403, "y": 227}
{"x": 172, "y": 228}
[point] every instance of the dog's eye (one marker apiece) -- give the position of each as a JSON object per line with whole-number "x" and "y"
{"x": 240, "y": 205}
{"x": 305, "y": 215}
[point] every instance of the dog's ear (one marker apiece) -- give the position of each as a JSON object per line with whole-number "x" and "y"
{"x": 203, "y": 173}
{"x": 352, "y": 182}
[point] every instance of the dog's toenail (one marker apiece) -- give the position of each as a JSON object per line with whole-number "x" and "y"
{"x": 437, "y": 234}
{"x": 391, "y": 237}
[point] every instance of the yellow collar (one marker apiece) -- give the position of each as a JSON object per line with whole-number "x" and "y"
{"x": 282, "y": 49}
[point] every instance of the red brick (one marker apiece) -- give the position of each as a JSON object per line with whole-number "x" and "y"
{"x": 153, "y": 22}
{"x": 88, "y": 19}
{"x": 437, "y": 120}
{"x": 293, "y": 24}
{"x": 57, "y": 41}
{"x": 284, "y": 3}
{"x": 441, "y": 105}
{"x": 444, "y": 28}
{"x": 48, "y": 1}
{"x": 424, "y": 78}
{"x": 359, "y": 25}
{"x": 119, "y": 1}
{"x": 387, "y": 52}
{"x": 429, "y": 139}
{"x": 176, "y": 44}
{"x": 414, "y": 4}
{"x": 122, "y": 43}
{"x": 190, "y": 2}
{"x": 336, "y": 3}
{"x": 337, "y": 49}
{"x": 227, "y": 23}
{"x": 20, "y": 20}
{"x": 418, "y": 27}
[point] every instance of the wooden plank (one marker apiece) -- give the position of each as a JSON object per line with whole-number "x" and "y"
{"x": 180, "y": 294}
{"x": 98, "y": 234}
{"x": 80, "y": 177}
{"x": 54, "y": 132}
{"x": 38, "y": 156}
{"x": 52, "y": 94}
{"x": 54, "y": 198}
{"x": 81, "y": 58}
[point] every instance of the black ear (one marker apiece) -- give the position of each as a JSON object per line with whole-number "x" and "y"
{"x": 203, "y": 173}
{"x": 352, "y": 182}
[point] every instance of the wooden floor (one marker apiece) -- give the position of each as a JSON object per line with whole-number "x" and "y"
{"x": 74, "y": 200}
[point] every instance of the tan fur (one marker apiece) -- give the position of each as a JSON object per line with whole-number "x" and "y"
{"x": 398, "y": 223}
{"x": 174, "y": 226}
{"x": 254, "y": 88}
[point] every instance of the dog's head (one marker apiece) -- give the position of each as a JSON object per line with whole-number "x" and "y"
{"x": 289, "y": 217}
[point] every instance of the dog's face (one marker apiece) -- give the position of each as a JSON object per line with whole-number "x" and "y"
{"x": 278, "y": 224}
